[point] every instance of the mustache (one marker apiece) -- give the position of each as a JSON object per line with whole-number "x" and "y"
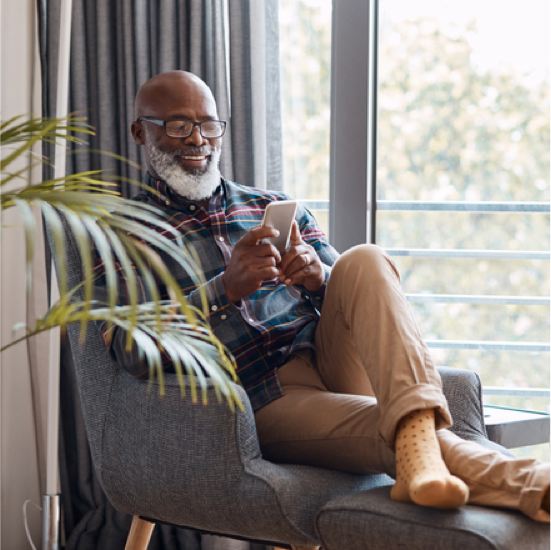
{"x": 192, "y": 151}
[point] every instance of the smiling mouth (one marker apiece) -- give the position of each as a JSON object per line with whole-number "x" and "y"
{"x": 194, "y": 163}
{"x": 194, "y": 157}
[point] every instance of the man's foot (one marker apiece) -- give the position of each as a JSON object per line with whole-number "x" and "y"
{"x": 545, "y": 501}
{"x": 421, "y": 475}
{"x": 437, "y": 491}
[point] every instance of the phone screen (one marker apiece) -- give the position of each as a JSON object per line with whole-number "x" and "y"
{"x": 280, "y": 214}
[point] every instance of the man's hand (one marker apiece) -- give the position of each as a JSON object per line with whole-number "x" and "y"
{"x": 251, "y": 263}
{"x": 300, "y": 264}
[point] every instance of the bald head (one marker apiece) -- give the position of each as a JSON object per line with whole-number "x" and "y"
{"x": 167, "y": 88}
{"x": 179, "y": 97}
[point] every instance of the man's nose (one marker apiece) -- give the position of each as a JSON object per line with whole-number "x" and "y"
{"x": 195, "y": 138}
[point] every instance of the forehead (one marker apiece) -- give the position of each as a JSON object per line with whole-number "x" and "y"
{"x": 177, "y": 97}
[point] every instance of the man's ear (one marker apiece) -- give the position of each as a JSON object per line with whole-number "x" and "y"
{"x": 138, "y": 133}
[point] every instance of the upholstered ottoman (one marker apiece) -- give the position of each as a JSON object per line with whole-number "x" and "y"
{"x": 358, "y": 522}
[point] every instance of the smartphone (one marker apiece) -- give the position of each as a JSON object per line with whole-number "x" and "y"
{"x": 280, "y": 214}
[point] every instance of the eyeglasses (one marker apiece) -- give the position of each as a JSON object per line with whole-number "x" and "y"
{"x": 210, "y": 129}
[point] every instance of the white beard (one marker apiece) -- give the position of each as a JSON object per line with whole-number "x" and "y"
{"x": 194, "y": 187}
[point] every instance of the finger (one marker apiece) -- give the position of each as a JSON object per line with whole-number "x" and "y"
{"x": 258, "y": 273}
{"x": 297, "y": 278}
{"x": 269, "y": 273}
{"x": 267, "y": 249}
{"x": 261, "y": 262}
{"x": 257, "y": 233}
{"x": 301, "y": 263}
{"x": 288, "y": 258}
{"x": 295, "y": 239}
{"x": 256, "y": 261}
{"x": 291, "y": 254}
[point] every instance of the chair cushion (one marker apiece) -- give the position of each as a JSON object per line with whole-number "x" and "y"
{"x": 371, "y": 520}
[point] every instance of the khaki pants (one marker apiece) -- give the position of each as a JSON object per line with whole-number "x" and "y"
{"x": 341, "y": 407}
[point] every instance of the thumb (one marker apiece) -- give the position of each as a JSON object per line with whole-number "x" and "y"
{"x": 295, "y": 239}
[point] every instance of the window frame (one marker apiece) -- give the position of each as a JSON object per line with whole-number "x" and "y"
{"x": 353, "y": 123}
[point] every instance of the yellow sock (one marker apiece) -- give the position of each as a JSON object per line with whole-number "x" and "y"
{"x": 421, "y": 475}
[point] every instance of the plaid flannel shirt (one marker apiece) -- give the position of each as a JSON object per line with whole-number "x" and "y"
{"x": 265, "y": 328}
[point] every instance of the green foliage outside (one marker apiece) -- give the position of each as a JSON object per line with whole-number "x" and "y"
{"x": 449, "y": 130}
{"x": 305, "y": 53}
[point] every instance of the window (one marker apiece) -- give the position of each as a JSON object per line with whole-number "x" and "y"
{"x": 463, "y": 183}
{"x": 455, "y": 185}
{"x": 305, "y": 50}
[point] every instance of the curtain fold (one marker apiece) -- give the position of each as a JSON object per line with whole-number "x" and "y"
{"x": 116, "y": 45}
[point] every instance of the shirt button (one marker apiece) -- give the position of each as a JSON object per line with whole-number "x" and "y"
{"x": 221, "y": 238}
{"x": 223, "y": 317}
{"x": 192, "y": 207}
{"x": 214, "y": 307}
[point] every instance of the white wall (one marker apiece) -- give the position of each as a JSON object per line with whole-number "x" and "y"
{"x": 19, "y": 475}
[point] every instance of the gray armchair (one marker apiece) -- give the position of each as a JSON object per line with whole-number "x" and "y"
{"x": 168, "y": 460}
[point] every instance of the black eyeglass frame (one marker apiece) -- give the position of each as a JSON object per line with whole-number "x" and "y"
{"x": 163, "y": 123}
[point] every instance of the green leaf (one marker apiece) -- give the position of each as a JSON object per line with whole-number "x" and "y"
{"x": 128, "y": 236}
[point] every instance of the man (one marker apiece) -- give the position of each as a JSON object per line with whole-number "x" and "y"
{"x": 326, "y": 347}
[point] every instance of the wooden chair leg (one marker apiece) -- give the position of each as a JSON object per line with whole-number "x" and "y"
{"x": 140, "y": 534}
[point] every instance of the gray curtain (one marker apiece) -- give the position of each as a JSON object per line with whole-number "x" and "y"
{"x": 116, "y": 46}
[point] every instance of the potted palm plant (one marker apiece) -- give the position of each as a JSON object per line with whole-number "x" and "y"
{"x": 101, "y": 219}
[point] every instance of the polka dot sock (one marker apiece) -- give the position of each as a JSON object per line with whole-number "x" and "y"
{"x": 421, "y": 475}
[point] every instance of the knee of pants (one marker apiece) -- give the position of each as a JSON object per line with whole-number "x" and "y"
{"x": 371, "y": 260}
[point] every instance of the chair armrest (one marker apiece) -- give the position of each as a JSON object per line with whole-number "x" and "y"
{"x": 166, "y": 449}
{"x": 200, "y": 466}
{"x": 463, "y": 390}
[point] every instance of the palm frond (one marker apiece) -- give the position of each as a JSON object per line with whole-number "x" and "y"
{"x": 127, "y": 237}
{"x": 33, "y": 130}
{"x": 192, "y": 348}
